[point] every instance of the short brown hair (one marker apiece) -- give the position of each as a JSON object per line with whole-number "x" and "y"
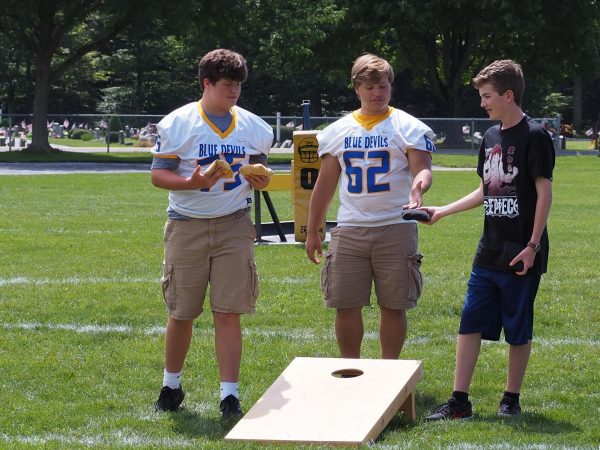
{"x": 369, "y": 67}
{"x": 222, "y": 63}
{"x": 503, "y": 75}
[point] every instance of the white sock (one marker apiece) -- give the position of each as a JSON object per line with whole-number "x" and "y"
{"x": 229, "y": 389}
{"x": 171, "y": 379}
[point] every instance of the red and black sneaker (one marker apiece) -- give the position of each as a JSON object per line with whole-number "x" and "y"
{"x": 452, "y": 409}
{"x": 509, "y": 408}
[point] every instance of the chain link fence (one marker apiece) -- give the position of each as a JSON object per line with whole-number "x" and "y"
{"x": 137, "y": 130}
{"x": 453, "y": 135}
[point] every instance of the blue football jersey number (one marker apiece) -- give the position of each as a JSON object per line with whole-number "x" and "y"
{"x": 429, "y": 145}
{"x": 356, "y": 173}
{"x": 235, "y": 166}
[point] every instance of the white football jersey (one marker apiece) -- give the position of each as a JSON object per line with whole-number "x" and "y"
{"x": 189, "y": 135}
{"x": 372, "y": 151}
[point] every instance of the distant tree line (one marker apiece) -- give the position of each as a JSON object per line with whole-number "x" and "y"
{"x": 110, "y": 56}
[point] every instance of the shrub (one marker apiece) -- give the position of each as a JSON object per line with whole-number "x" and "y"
{"x": 113, "y": 136}
{"x": 76, "y": 133}
{"x": 87, "y": 136}
{"x": 115, "y": 125}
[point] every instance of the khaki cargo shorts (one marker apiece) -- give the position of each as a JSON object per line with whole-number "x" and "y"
{"x": 387, "y": 255}
{"x": 218, "y": 252}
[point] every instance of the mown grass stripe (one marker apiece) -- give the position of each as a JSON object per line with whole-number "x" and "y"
{"x": 290, "y": 333}
{"x": 72, "y": 280}
{"x": 103, "y": 280}
{"x": 122, "y": 438}
{"x": 117, "y": 438}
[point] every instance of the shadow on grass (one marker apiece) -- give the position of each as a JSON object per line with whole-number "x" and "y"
{"x": 196, "y": 425}
{"x": 400, "y": 422}
{"x": 529, "y": 422}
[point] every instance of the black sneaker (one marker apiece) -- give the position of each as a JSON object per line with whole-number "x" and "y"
{"x": 509, "y": 408}
{"x": 169, "y": 399}
{"x": 230, "y": 407}
{"x": 452, "y": 409}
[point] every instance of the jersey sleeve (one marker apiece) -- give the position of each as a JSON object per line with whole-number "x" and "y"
{"x": 266, "y": 137}
{"x": 541, "y": 155}
{"x": 420, "y": 137}
{"x": 326, "y": 140}
{"x": 170, "y": 141}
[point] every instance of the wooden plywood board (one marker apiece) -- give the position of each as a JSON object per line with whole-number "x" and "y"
{"x": 308, "y": 404}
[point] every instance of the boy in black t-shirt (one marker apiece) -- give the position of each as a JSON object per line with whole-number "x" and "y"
{"x": 516, "y": 160}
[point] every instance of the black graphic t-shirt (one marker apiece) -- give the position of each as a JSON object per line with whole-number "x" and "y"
{"x": 509, "y": 162}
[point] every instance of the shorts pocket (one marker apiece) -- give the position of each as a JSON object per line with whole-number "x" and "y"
{"x": 251, "y": 228}
{"x": 168, "y": 229}
{"x": 253, "y": 280}
{"x": 326, "y": 276}
{"x": 415, "y": 278}
{"x": 168, "y": 286}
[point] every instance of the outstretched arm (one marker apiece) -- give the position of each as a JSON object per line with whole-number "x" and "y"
{"x": 470, "y": 201}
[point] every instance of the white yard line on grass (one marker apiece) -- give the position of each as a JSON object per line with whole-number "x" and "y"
{"x": 101, "y": 280}
{"x": 117, "y": 438}
{"x": 487, "y": 446}
{"x": 73, "y": 280}
{"x": 121, "y": 438}
{"x": 297, "y": 334}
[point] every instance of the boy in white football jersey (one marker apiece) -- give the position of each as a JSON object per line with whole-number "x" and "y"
{"x": 383, "y": 156}
{"x": 209, "y": 236}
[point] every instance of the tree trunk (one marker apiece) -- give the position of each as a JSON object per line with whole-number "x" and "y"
{"x": 139, "y": 91}
{"x": 48, "y": 41}
{"x": 39, "y": 142}
{"x": 10, "y": 99}
{"x": 316, "y": 108}
{"x": 577, "y": 102}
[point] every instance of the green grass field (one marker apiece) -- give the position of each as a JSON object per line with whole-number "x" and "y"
{"x": 81, "y": 325}
{"x": 129, "y": 143}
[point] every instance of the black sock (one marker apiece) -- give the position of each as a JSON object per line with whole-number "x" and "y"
{"x": 461, "y": 397}
{"x": 512, "y": 396}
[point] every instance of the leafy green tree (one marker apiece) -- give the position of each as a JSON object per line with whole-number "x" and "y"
{"x": 290, "y": 47}
{"x": 446, "y": 42}
{"x": 59, "y": 33}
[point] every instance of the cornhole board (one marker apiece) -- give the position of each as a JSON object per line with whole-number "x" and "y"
{"x": 311, "y": 403}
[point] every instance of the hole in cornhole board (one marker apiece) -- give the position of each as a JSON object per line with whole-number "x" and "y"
{"x": 347, "y": 373}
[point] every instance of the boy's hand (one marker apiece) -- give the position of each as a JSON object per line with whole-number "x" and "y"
{"x": 527, "y": 257}
{"x": 199, "y": 181}
{"x": 434, "y": 214}
{"x": 257, "y": 182}
{"x": 416, "y": 197}
{"x": 313, "y": 248}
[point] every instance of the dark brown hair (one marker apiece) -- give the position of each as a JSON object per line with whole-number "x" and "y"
{"x": 222, "y": 63}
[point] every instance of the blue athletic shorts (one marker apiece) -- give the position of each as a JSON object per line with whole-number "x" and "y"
{"x": 497, "y": 300}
